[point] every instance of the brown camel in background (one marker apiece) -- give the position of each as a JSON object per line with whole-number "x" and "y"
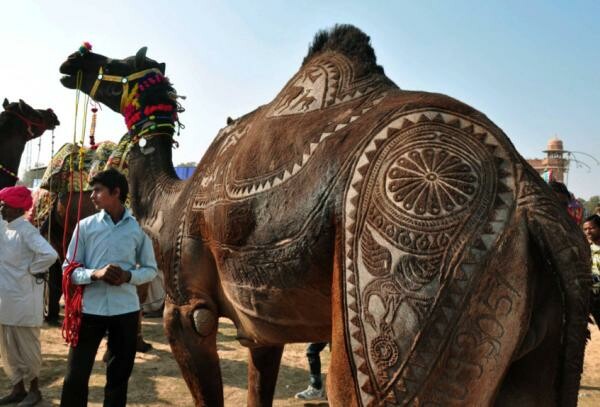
{"x": 19, "y": 123}
{"x": 401, "y": 225}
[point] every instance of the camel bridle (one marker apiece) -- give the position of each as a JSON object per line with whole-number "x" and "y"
{"x": 29, "y": 123}
{"x": 9, "y": 172}
{"x": 123, "y": 80}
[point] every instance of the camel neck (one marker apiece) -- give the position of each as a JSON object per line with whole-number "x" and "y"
{"x": 8, "y": 176}
{"x": 150, "y": 117}
{"x": 151, "y": 174}
{"x": 9, "y": 164}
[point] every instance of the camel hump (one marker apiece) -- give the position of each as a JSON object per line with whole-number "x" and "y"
{"x": 429, "y": 196}
{"x": 340, "y": 68}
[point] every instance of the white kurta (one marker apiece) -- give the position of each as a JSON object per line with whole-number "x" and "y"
{"x": 23, "y": 252}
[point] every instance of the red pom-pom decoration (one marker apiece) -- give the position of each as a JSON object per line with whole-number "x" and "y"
{"x": 85, "y": 48}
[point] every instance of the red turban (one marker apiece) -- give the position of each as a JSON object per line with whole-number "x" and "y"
{"x": 17, "y": 197}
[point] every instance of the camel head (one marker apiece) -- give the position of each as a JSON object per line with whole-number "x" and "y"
{"x": 33, "y": 122}
{"x": 107, "y": 80}
{"x": 19, "y": 123}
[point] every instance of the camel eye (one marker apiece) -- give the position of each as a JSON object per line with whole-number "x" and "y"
{"x": 116, "y": 90}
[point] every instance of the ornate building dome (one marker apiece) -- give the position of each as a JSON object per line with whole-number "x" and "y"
{"x": 554, "y": 145}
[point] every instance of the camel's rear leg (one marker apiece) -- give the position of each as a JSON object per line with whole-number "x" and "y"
{"x": 263, "y": 367}
{"x": 530, "y": 379}
{"x": 558, "y": 324}
{"x": 340, "y": 381}
{"x": 195, "y": 350}
{"x": 566, "y": 252}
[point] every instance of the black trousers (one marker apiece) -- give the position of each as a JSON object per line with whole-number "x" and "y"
{"x": 314, "y": 363}
{"x": 54, "y": 291}
{"x": 122, "y": 336}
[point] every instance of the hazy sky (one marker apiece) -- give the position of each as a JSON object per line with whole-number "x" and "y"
{"x": 533, "y": 67}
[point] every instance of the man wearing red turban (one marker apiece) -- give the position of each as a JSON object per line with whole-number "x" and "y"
{"x": 18, "y": 197}
{"x": 24, "y": 255}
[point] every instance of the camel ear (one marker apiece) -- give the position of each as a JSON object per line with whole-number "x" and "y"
{"x": 140, "y": 58}
{"x": 5, "y": 103}
{"x": 162, "y": 67}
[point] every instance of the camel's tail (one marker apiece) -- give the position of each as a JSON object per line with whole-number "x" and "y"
{"x": 563, "y": 245}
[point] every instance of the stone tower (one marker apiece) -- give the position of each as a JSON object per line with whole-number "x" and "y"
{"x": 555, "y": 159}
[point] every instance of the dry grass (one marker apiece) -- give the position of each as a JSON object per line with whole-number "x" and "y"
{"x": 156, "y": 380}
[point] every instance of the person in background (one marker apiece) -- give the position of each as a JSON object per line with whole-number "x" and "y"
{"x": 575, "y": 210}
{"x": 315, "y": 390}
{"x": 591, "y": 228}
{"x": 24, "y": 259}
{"x": 109, "y": 255}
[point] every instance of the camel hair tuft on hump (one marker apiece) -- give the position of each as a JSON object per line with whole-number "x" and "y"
{"x": 350, "y": 41}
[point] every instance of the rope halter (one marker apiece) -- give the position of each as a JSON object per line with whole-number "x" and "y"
{"x": 29, "y": 123}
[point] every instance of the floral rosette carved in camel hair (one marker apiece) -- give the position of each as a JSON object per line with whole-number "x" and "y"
{"x": 402, "y": 226}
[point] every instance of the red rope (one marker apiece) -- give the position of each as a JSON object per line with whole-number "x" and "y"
{"x": 73, "y": 293}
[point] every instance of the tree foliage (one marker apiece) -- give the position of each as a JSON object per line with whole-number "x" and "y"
{"x": 591, "y": 204}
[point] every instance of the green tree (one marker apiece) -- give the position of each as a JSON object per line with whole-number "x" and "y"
{"x": 591, "y": 204}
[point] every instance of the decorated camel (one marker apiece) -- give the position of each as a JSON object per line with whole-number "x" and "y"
{"x": 403, "y": 226}
{"x": 19, "y": 123}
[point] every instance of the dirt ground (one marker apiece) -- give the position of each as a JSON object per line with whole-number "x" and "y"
{"x": 156, "y": 380}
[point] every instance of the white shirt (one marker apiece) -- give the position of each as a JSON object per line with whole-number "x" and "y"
{"x": 23, "y": 252}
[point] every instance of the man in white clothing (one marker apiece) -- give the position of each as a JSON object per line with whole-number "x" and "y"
{"x": 24, "y": 256}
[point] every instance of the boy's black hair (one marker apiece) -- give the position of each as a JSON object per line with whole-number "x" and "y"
{"x": 112, "y": 179}
{"x": 594, "y": 219}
